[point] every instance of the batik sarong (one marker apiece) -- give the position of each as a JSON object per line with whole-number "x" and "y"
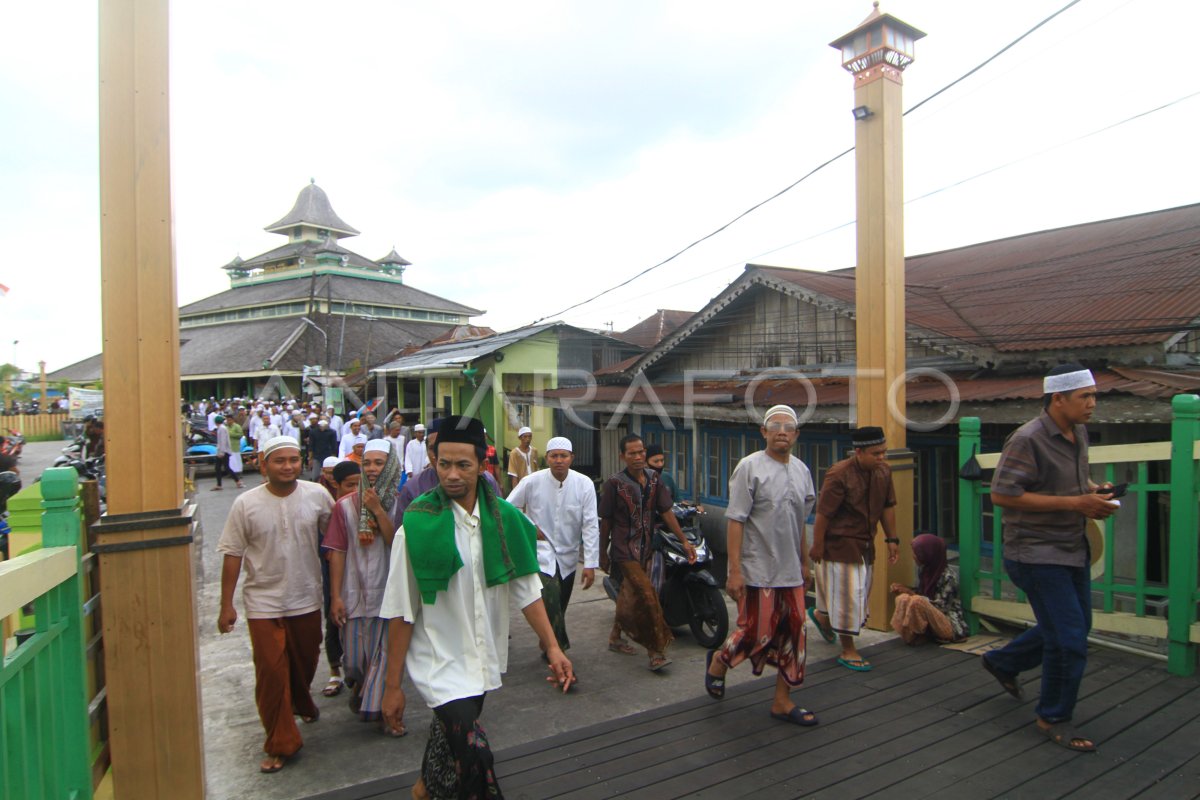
{"x": 458, "y": 763}
{"x": 770, "y": 630}
{"x": 842, "y": 594}
{"x": 638, "y": 611}
{"x": 916, "y": 619}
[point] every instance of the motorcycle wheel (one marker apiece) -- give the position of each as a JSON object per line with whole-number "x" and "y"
{"x": 710, "y": 618}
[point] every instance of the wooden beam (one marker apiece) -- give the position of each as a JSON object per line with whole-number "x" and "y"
{"x": 150, "y": 646}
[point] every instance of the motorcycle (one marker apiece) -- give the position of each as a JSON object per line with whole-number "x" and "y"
{"x": 689, "y": 594}
{"x": 91, "y": 469}
{"x": 13, "y": 444}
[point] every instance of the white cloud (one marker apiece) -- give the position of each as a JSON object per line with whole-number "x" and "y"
{"x": 525, "y": 156}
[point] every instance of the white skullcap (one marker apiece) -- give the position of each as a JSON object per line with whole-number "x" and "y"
{"x": 279, "y": 443}
{"x": 524, "y": 430}
{"x": 329, "y": 462}
{"x": 559, "y": 443}
{"x": 1068, "y": 381}
{"x": 360, "y": 439}
{"x": 781, "y": 409}
{"x": 323, "y": 421}
{"x": 418, "y": 428}
{"x": 377, "y": 446}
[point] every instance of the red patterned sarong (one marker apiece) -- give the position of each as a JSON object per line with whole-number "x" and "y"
{"x": 770, "y": 630}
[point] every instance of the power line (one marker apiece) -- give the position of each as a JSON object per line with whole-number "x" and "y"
{"x": 805, "y": 177}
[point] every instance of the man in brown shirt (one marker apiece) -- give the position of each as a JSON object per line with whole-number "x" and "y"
{"x": 856, "y": 496}
{"x": 1042, "y": 483}
{"x": 523, "y": 460}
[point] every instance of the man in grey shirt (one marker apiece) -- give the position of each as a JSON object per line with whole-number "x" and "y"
{"x": 1041, "y": 482}
{"x": 770, "y": 493}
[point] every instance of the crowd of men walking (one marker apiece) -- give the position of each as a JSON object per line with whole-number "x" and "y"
{"x": 404, "y": 545}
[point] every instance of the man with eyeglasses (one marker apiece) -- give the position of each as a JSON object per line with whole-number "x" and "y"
{"x": 770, "y": 493}
{"x": 856, "y": 497}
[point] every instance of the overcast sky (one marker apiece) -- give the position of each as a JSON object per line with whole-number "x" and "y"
{"x": 526, "y": 155}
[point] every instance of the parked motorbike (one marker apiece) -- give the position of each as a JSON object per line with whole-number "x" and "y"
{"x": 13, "y": 444}
{"x": 689, "y": 594}
{"x": 71, "y": 453}
{"x": 91, "y": 469}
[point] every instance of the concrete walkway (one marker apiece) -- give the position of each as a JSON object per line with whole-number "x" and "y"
{"x": 340, "y": 751}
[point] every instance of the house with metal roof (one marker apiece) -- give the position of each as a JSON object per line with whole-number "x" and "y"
{"x": 984, "y": 323}
{"x": 480, "y": 376}
{"x": 308, "y": 308}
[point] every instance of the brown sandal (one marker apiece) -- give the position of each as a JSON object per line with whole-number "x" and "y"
{"x": 623, "y": 647}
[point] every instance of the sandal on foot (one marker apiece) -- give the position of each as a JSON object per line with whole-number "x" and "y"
{"x": 312, "y": 719}
{"x": 658, "y": 662}
{"x": 856, "y": 664}
{"x": 272, "y": 764}
{"x": 797, "y": 716}
{"x": 713, "y": 685}
{"x": 826, "y": 634}
{"x": 395, "y": 733}
{"x": 1063, "y": 735}
{"x": 333, "y": 688}
{"x": 1007, "y": 682}
{"x": 623, "y": 647}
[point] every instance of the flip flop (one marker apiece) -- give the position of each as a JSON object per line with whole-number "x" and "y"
{"x": 266, "y": 769}
{"x": 1063, "y": 735}
{"x": 623, "y": 647}
{"x": 394, "y": 733}
{"x": 797, "y": 716}
{"x": 714, "y": 686}
{"x": 1007, "y": 682}
{"x": 658, "y": 663}
{"x": 312, "y": 719}
{"x": 333, "y": 688}
{"x": 826, "y": 635}
{"x": 856, "y": 664}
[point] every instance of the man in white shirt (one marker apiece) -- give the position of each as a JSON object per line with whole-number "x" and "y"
{"x": 273, "y": 529}
{"x": 351, "y": 418}
{"x": 396, "y": 439}
{"x": 461, "y": 556}
{"x": 562, "y": 504}
{"x": 349, "y": 438}
{"x": 335, "y": 421}
{"x": 415, "y": 457}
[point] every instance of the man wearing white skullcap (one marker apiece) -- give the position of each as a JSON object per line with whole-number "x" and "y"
{"x": 1042, "y": 483}
{"x": 770, "y": 494}
{"x": 523, "y": 459}
{"x": 274, "y": 529}
{"x": 359, "y": 542}
{"x": 562, "y": 504}
{"x": 415, "y": 457}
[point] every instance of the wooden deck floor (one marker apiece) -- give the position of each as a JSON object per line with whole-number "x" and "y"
{"x": 926, "y": 722}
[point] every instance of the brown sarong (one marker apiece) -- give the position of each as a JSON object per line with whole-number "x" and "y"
{"x": 286, "y": 651}
{"x": 916, "y": 618}
{"x": 638, "y": 611}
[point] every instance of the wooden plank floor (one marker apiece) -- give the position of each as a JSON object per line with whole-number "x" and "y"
{"x": 926, "y": 722}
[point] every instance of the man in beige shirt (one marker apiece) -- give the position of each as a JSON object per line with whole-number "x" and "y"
{"x": 523, "y": 460}
{"x": 272, "y": 531}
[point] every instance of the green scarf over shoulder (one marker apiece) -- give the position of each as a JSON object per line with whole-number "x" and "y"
{"x": 509, "y": 540}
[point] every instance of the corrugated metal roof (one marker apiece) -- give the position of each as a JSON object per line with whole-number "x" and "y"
{"x": 456, "y": 354}
{"x": 1153, "y": 384}
{"x": 1119, "y": 282}
{"x": 654, "y": 329}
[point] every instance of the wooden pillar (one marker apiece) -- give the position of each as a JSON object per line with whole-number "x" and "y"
{"x": 144, "y": 542}
{"x": 876, "y": 53}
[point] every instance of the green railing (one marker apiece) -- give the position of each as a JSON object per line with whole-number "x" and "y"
{"x": 988, "y": 591}
{"x": 43, "y": 705}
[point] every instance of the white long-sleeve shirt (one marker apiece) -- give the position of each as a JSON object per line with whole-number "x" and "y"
{"x": 415, "y": 457}
{"x": 566, "y": 514}
{"x": 459, "y": 645}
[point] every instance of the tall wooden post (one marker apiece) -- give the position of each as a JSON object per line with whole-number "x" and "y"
{"x": 144, "y": 542}
{"x": 876, "y": 53}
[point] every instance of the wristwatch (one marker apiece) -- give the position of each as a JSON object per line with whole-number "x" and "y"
{"x": 891, "y": 540}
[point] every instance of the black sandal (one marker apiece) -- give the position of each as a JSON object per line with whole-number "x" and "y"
{"x": 1063, "y": 735}
{"x": 1007, "y": 682}
{"x": 713, "y": 685}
